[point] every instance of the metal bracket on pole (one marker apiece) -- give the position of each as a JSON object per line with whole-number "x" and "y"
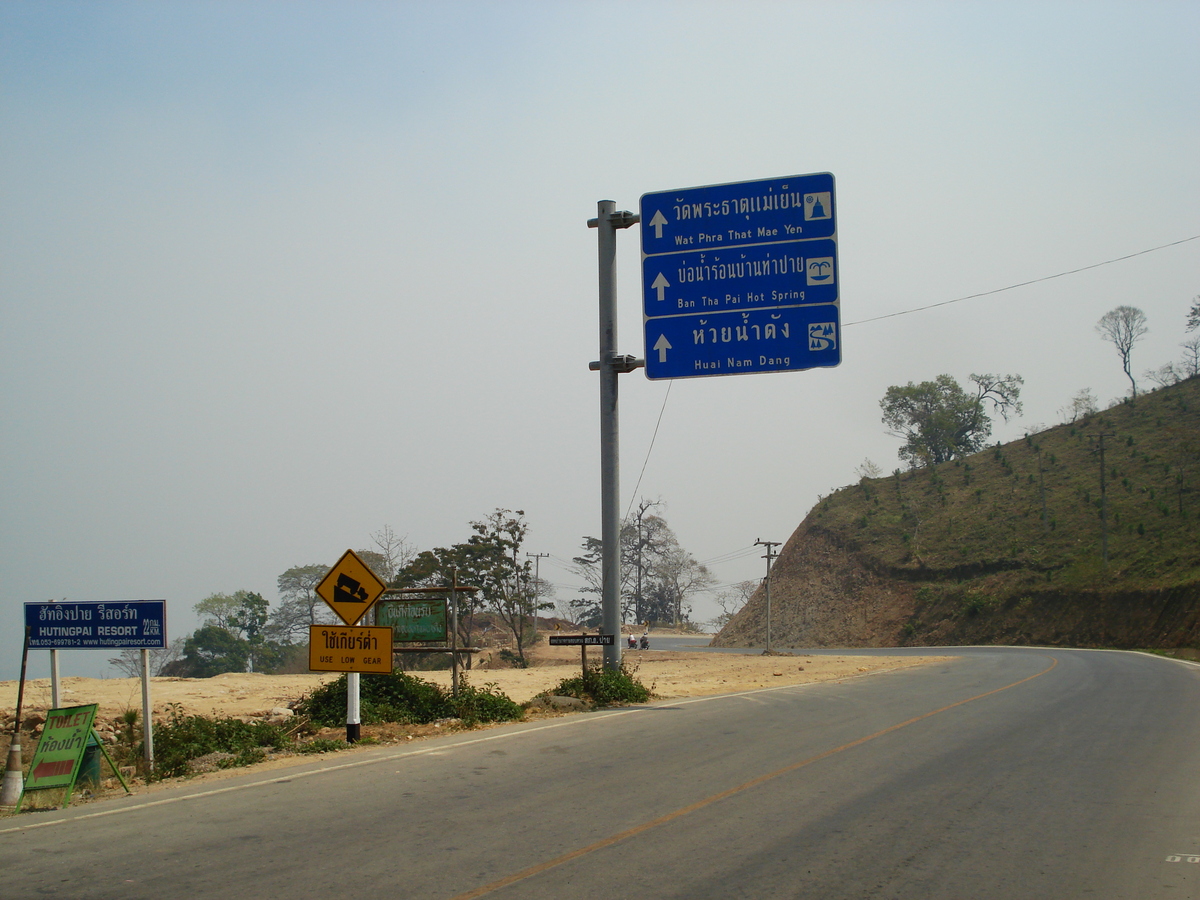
{"x": 622, "y": 364}
{"x": 622, "y": 219}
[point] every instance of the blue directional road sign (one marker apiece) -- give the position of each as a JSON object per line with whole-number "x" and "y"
{"x": 740, "y": 278}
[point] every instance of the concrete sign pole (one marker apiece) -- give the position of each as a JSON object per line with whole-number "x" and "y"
{"x": 610, "y": 364}
{"x": 147, "y": 711}
{"x": 55, "y": 681}
{"x": 14, "y": 780}
{"x": 353, "y": 709}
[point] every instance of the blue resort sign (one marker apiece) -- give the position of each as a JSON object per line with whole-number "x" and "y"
{"x": 111, "y": 625}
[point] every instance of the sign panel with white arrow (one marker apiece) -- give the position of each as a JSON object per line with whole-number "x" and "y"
{"x": 741, "y": 277}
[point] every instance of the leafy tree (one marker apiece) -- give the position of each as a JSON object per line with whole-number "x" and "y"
{"x": 1193, "y": 319}
{"x": 249, "y": 621}
{"x": 218, "y": 609}
{"x": 437, "y": 568}
{"x": 209, "y": 651}
{"x": 377, "y": 563}
{"x": 940, "y": 421}
{"x": 487, "y": 560}
{"x": 232, "y": 638}
{"x": 1124, "y": 326}
{"x": 299, "y": 605}
{"x": 657, "y": 576}
{"x": 502, "y": 576}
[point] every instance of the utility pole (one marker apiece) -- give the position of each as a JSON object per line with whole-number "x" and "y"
{"x": 770, "y": 555}
{"x": 610, "y": 365}
{"x": 1103, "y": 495}
{"x": 537, "y": 584}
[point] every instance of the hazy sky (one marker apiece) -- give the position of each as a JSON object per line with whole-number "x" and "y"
{"x": 275, "y": 275}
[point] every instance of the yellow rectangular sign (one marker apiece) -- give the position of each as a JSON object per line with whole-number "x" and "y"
{"x": 337, "y": 648}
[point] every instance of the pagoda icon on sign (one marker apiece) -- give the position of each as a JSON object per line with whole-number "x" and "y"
{"x": 347, "y": 590}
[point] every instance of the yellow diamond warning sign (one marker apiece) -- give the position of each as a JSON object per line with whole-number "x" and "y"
{"x": 350, "y": 588}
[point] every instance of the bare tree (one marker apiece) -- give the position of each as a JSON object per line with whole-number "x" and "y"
{"x": 1082, "y": 405}
{"x": 1164, "y": 376}
{"x": 394, "y": 552}
{"x": 732, "y": 599}
{"x": 681, "y": 576}
{"x": 868, "y": 469}
{"x": 1124, "y": 327}
{"x": 129, "y": 663}
{"x": 1190, "y": 363}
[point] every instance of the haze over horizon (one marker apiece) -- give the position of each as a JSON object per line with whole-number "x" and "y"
{"x": 276, "y": 276}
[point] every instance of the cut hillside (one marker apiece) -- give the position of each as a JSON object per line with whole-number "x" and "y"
{"x": 1007, "y": 545}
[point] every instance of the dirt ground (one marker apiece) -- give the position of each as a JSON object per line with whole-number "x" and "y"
{"x": 669, "y": 674}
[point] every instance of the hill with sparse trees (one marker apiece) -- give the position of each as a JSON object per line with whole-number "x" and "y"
{"x": 1085, "y": 534}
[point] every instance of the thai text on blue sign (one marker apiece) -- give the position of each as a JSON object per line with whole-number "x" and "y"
{"x": 741, "y": 277}
{"x": 110, "y": 625}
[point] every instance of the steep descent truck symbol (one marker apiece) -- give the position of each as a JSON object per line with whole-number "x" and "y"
{"x": 347, "y": 590}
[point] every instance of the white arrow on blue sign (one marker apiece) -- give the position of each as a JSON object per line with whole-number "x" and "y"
{"x": 740, "y": 278}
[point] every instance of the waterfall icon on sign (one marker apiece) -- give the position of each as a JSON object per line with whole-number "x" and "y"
{"x": 819, "y": 270}
{"x": 817, "y": 206}
{"x": 822, "y": 336}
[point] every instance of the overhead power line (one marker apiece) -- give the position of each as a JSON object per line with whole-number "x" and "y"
{"x": 1107, "y": 262}
{"x": 904, "y": 312}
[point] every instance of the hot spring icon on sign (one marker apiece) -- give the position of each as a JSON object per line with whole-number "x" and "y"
{"x": 819, "y": 270}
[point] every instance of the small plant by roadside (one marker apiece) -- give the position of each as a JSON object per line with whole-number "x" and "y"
{"x": 604, "y": 686}
{"x": 321, "y": 745}
{"x": 403, "y": 699}
{"x": 126, "y": 750}
{"x": 184, "y": 738}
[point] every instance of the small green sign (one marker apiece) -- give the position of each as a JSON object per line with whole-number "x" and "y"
{"x": 60, "y": 752}
{"x": 414, "y": 620}
{"x": 60, "y": 748}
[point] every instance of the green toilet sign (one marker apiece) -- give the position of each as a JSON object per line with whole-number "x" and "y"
{"x": 61, "y": 749}
{"x": 414, "y": 620}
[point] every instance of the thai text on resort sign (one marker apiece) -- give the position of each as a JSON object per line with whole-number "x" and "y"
{"x": 422, "y": 620}
{"x": 111, "y": 625}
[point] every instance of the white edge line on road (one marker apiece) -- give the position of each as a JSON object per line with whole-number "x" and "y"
{"x": 441, "y": 748}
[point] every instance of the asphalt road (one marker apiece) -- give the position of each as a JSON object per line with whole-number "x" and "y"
{"x": 1007, "y": 773}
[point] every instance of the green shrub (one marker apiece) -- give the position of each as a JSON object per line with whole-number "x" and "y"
{"x": 401, "y": 698}
{"x": 321, "y": 745}
{"x": 485, "y": 704}
{"x": 184, "y": 738}
{"x": 604, "y": 686}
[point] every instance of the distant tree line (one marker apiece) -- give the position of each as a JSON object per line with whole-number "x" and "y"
{"x": 241, "y": 632}
{"x": 658, "y": 577}
{"x": 939, "y": 420}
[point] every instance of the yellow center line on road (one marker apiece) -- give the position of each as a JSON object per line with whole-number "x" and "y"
{"x": 715, "y": 798}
